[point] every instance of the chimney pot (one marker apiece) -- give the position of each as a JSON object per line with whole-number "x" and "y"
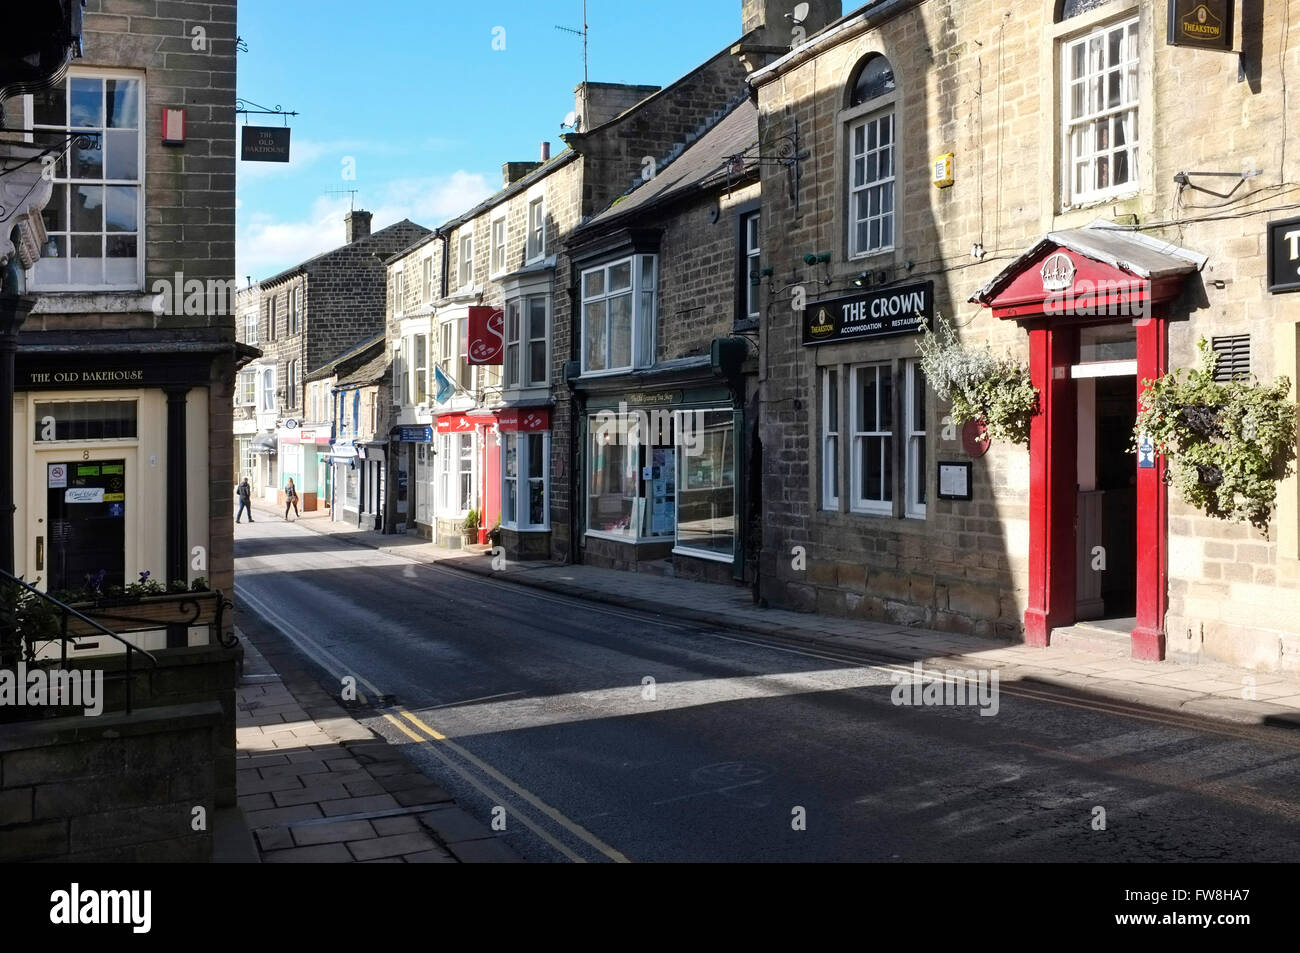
{"x": 546, "y": 151}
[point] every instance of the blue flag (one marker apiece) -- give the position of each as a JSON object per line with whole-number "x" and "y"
{"x": 444, "y": 389}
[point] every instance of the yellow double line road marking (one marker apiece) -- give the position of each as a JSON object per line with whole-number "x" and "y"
{"x": 577, "y": 830}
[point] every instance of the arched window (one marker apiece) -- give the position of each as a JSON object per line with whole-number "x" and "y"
{"x": 871, "y": 158}
{"x": 874, "y": 79}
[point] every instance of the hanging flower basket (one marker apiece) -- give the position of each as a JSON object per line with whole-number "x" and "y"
{"x": 980, "y": 385}
{"x": 1229, "y": 443}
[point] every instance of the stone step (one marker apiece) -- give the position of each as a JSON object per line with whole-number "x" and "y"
{"x": 1099, "y": 639}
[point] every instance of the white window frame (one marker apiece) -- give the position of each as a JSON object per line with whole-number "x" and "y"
{"x": 520, "y": 338}
{"x": 420, "y": 368}
{"x": 399, "y": 292}
{"x": 465, "y": 262}
{"x": 452, "y": 470}
{"x": 536, "y": 239}
{"x": 247, "y": 394}
{"x": 426, "y": 278}
{"x": 497, "y": 238}
{"x": 752, "y": 259}
{"x": 887, "y": 183}
{"x": 857, "y": 481}
{"x": 517, "y": 520}
{"x": 680, "y": 461}
{"x": 78, "y": 72}
{"x": 1074, "y": 130}
{"x": 252, "y": 327}
{"x": 266, "y": 397}
{"x": 916, "y": 464}
{"x": 644, "y": 308}
{"x": 832, "y": 440}
{"x": 399, "y": 399}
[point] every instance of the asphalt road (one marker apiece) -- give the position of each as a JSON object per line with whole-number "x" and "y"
{"x": 540, "y": 705}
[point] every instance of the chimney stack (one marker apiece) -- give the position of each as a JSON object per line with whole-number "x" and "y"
{"x": 598, "y": 103}
{"x": 546, "y": 152}
{"x": 357, "y": 225}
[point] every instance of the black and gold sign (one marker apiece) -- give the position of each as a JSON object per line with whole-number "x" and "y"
{"x": 900, "y": 309}
{"x": 1204, "y": 24}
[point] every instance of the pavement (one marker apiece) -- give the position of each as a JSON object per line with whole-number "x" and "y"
{"x": 1204, "y": 690}
{"x": 316, "y": 786}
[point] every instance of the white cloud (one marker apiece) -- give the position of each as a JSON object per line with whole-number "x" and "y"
{"x": 267, "y": 245}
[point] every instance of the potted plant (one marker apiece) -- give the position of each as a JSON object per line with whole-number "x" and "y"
{"x": 144, "y": 604}
{"x": 980, "y": 385}
{"x": 470, "y": 527}
{"x": 494, "y": 534}
{"x": 1229, "y": 443}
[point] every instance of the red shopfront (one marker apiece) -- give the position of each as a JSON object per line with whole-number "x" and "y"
{"x": 489, "y": 429}
{"x": 1097, "y": 303}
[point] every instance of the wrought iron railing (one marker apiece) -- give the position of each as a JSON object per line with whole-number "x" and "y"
{"x": 66, "y": 612}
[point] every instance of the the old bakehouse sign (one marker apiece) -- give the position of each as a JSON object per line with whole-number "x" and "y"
{"x": 898, "y": 310}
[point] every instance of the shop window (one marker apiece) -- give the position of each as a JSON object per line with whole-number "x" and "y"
{"x": 526, "y": 342}
{"x": 85, "y": 420}
{"x": 523, "y": 480}
{"x": 632, "y": 475}
{"x": 871, "y": 160}
{"x": 466, "y": 274}
{"x": 618, "y": 315}
{"x": 1100, "y": 108}
{"x": 498, "y": 245}
{"x": 706, "y": 484}
{"x": 455, "y": 461}
{"x": 536, "y": 229}
{"x": 97, "y": 204}
{"x": 831, "y": 438}
{"x": 248, "y": 457}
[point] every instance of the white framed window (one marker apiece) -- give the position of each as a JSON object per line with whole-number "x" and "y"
{"x": 404, "y": 376}
{"x": 267, "y": 382}
{"x": 873, "y": 438}
{"x": 751, "y": 264}
{"x": 270, "y": 318}
{"x": 498, "y": 244}
{"x": 1099, "y": 73}
{"x": 915, "y": 481}
{"x": 294, "y": 314}
{"x": 466, "y": 274}
{"x": 96, "y": 210}
{"x": 399, "y": 292}
{"x": 456, "y": 473}
{"x": 426, "y": 279}
{"x": 831, "y": 438}
{"x": 250, "y": 327}
{"x": 447, "y": 348}
{"x": 399, "y": 399}
{"x": 618, "y": 315}
{"x": 248, "y": 458}
{"x": 420, "y": 353}
{"x": 453, "y": 354}
{"x": 526, "y": 353}
{"x": 536, "y": 229}
{"x": 871, "y": 185}
{"x": 524, "y": 471}
{"x": 247, "y": 396}
{"x": 705, "y": 488}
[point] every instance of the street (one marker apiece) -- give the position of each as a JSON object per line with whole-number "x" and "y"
{"x": 607, "y": 734}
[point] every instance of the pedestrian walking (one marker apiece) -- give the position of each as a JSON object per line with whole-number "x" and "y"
{"x": 291, "y": 499}
{"x": 245, "y": 494}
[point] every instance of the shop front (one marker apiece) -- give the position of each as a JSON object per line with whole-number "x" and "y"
{"x": 111, "y": 470}
{"x": 464, "y": 478}
{"x": 1097, "y": 303}
{"x": 659, "y": 480}
{"x": 303, "y": 454}
{"x": 525, "y": 450}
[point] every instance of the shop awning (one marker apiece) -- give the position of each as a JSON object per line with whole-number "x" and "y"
{"x": 263, "y": 443}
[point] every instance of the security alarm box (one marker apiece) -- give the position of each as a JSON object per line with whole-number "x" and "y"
{"x": 942, "y": 175}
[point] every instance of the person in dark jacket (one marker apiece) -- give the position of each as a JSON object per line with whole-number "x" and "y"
{"x": 291, "y": 499}
{"x": 245, "y": 494}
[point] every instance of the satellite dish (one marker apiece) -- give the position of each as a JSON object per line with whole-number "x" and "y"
{"x": 800, "y": 12}
{"x": 570, "y": 120}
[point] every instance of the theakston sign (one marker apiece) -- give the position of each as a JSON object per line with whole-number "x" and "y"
{"x": 1205, "y": 24}
{"x": 898, "y": 310}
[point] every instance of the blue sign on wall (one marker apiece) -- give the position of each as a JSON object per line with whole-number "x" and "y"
{"x": 415, "y": 434}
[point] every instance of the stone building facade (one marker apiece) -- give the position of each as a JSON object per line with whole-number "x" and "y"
{"x": 1077, "y": 138}
{"x": 301, "y": 319}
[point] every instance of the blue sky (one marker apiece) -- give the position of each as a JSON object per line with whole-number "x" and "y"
{"x": 415, "y": 94}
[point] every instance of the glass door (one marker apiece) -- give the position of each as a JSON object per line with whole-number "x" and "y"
{"x": 86, "y": 513}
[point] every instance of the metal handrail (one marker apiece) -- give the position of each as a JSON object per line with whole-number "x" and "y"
{"x": 66, "y": 612}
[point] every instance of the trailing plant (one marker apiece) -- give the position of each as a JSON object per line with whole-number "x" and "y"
{"x": 1228, "y": 442}
{"x": 979, "y": 384}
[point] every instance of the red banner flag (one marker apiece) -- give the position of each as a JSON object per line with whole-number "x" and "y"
{"x": 486, "y": 336}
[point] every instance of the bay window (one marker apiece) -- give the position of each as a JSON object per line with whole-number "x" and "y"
{"x": 526, "y": 336}
{"x": 706, "y": 484}
{"x": 420, "y": 347}
{"x": 618, "y": 315}
{"x": 523, "y": 480}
